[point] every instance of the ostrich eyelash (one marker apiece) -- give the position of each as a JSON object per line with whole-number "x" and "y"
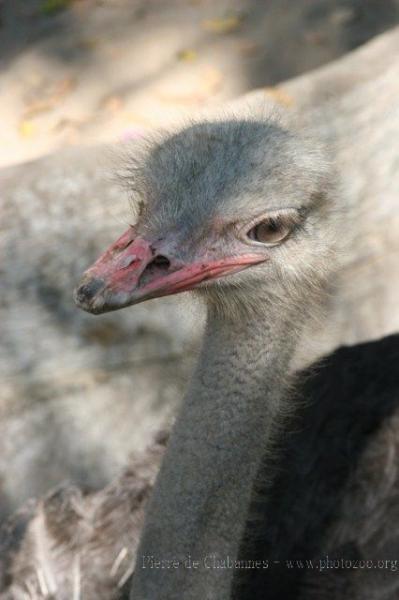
{"x": 288, "y": 217}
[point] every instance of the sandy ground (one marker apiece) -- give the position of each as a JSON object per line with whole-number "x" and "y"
{"x": 89, "y": 71}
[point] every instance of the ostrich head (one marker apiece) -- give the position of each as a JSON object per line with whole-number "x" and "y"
{"x": 238, "y": 206}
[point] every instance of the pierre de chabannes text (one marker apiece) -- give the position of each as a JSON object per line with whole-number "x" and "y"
{"x": 213, "y": 561}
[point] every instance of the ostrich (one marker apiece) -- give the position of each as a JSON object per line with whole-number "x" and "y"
{"x": 244, "y": 212}
{"x": 251, "y": 215}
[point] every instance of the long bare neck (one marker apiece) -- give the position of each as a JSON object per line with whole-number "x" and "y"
{"x": 200, "y": 503}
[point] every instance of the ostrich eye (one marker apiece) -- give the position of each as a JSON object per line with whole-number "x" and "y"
{"x": 269, "y": 231}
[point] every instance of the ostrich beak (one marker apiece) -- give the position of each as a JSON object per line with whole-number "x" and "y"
{"x": 131, "y": 271}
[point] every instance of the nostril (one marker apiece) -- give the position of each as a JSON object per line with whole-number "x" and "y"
{"x": 161, "y": 261}
{"x": 159, "y": 266}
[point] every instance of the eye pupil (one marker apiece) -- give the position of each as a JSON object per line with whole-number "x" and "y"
{"x": 263, "y": 231}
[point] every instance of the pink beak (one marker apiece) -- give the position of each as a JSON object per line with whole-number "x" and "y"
{"x": 131, "y": 271}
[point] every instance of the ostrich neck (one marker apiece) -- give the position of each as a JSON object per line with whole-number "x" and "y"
{"x": 200, "y": 502}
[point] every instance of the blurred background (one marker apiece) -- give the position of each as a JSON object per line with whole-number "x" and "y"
{"x": 79, "y": 395}
{"x": 89, "y": 71}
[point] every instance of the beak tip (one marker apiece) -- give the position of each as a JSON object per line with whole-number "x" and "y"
{"x": 86, "y": 295}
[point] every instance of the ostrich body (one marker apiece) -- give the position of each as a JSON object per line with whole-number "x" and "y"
{"x": 333, "y": 504}
{"x": 249, "y": 213}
